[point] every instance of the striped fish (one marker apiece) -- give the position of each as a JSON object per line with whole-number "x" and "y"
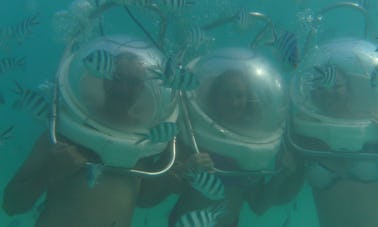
{"x": 287, "y": 45}
{"x": 94, "y": 171}
{"x": 10, "y": 64}
{"x": 32, "y": 100}
{"x": 100, "y": 63}
{"x": 325, "y": 76}
{"x": 20, "y": 30}
{"x": 176, "y": 76}
{"x": 208, "y": 184}
{"x": 6, "y": 134}
{"x": 176, "y": 5}
{"x": 374, "y": 77}
{"x": 202, "y": 218}
{"x": 195, "y": 37}
{"x": 243, "y": 19}
{"x": 163, "y": 132}
{"x": 184, "y": 81}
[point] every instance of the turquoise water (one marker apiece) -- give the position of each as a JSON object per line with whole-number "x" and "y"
{"x": 43, "y": 50}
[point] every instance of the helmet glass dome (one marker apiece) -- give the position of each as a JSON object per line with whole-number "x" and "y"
{"x": 338, "y": 81}
{"x": 241, "y": 92}
{"x": 109, "y": 83}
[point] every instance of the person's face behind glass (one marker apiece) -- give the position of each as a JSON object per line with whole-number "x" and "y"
{"x": 229, "y": 97}
{"x": 333, "y": 101}
{"x": 122, "y": 92}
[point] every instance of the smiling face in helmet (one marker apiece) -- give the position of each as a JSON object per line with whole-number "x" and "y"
{"x": 229, "y": 97}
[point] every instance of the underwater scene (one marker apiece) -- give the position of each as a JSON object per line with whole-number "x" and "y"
{"x": 189, "y": 113}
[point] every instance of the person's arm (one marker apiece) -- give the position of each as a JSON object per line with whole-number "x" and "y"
{"x": 46, "y": 165}
{"x": 29, "y": 182}
{"x": 281, "y": 188}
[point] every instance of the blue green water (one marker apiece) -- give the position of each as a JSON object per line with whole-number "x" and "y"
{"x": 43, "y": 51}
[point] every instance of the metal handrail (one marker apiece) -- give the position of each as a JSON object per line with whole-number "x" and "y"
{"x": 328, "y": 153}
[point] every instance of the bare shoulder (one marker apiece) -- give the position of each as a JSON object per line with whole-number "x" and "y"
{"x": 38, "y": 154}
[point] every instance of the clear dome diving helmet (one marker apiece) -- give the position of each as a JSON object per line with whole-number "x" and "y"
{"x": 334, "y": 94}
{"x": 108, "y": 100}
{"x": 239, "y": 109}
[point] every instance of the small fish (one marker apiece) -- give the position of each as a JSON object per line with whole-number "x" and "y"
{"x": 325, "y": 76}
{"x": 6, "y": 134}
{"x": 94, "y": 171}
{"x": 195, "y": 37}
{"x": 100, "y": 63}
{"x": 163, "y": 132}
{"x": 185, "y": 80}
{"x": 33, "y": 101}
{"x": 373, "y": 77}
{"x": 287, "y": 45}
{"x": 208, "y": 184}
{"x": 205, "y": 217}
{"x": 19, "y": 31}
{"x": 175, "y": 5}
{"x": 176, "y": 76}
{"x": 243, "y": 19}
{"x": 10, "y": 64}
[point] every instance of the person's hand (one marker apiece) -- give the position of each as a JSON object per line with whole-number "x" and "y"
{"x": 65, "y": 160}
{"x": 201, "y": 162}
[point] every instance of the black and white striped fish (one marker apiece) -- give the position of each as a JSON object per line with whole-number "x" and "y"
{"x": 243, "y": 19}
{"x": 175, "y": 5}
{"x": 10, "y": 64}
{"x": 374, "y": 77}
{"x": 208, "y": 184}
{"x": 208, "y": 217}
{"x": 100, "y": 63}
{"x": 184, "y": 81}
{"x": 324, "y": 76}
{"x": 6, "y": 134}
{"x": 163, "y": 132}
{"x": 195, "y": 37}
{"x": 176, "y": 76}
{"x": 286, "y": 44}
{"x": 32, "y": 100}
{"x": 19, "y": 31}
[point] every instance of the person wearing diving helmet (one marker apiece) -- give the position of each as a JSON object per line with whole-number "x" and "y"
{"x": 107, "y": 107}
{"x": 333, "y": 126}
{"x": 237, "y": 118}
